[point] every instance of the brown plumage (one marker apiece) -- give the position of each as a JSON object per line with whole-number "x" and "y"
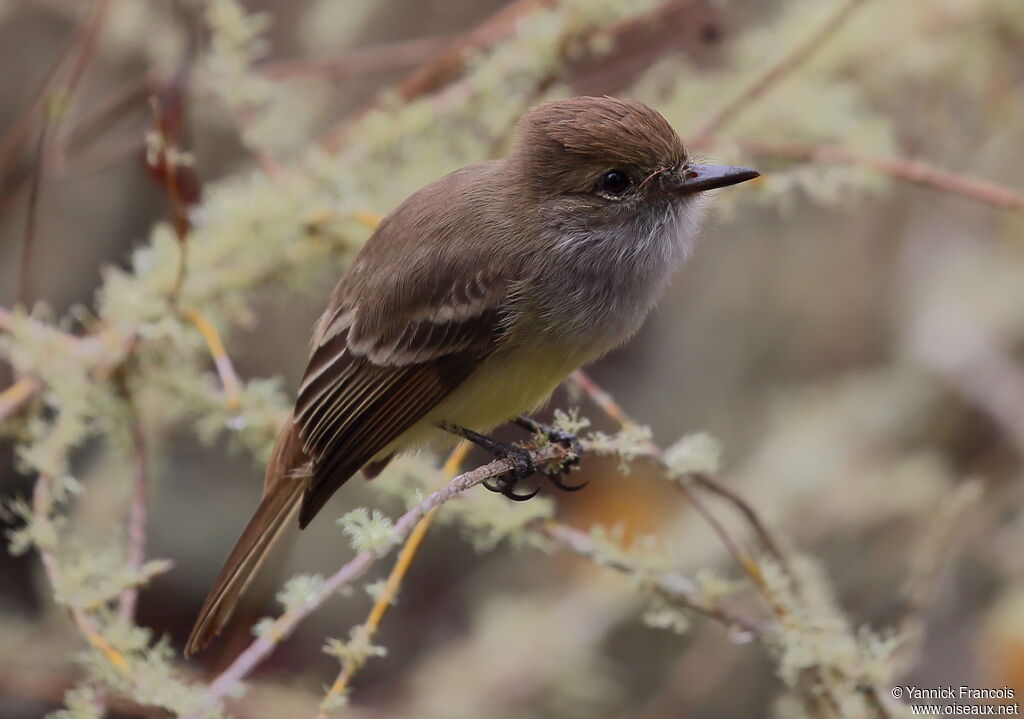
{"x": 473, "y": 299}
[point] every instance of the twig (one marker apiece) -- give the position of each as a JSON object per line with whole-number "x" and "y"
{"x": 53, "y": 92}
{"x": 17, "y": 396}
{"x": 179, "y": 213}
{"x": 653, "y": 453}
{"x": 221, "y": 360}
{"x": 137, "y": 513}
{"x": 100, "y": 117}
{"x": 77, "y": 54}
{"x": 262, "y": 646}
{"x": 24, "y": 292}
{"x": 41, "y": 506}
{"x": 943, "y": 530}
{"x": 712, "y": 484}
{"x": 775, "y": 72}
{"x": 601, "y": 398}
{"x": 672, "y": 586}
{"x": 357, "y": 62}
{"x": 394, "y": 581}
{"x": 445, "y": 66}
{"x": 102, "y": 158}
{"x": 900, "y": 168}
{"x": 741, "y": 555}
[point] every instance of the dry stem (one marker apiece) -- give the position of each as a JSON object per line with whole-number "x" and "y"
{"x": 221, "y": 360}
{"x": 41, "y": 506}
{"x": 17, "y": 396}
{"x": 137, "y": 513}
{"x": 263, "y": 645}
{"x": 673, "y": 586}
{"x": 900, "y": 168}
{"x": 394, "y": 581}
{"x": 762, "y": 83}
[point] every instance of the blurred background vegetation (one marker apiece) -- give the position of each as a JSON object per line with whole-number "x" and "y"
{"x": 850, "y": 330}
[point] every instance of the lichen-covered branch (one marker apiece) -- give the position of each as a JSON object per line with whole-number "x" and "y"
{"x": 281, "y": 627}
{"x": 900, "y": 168}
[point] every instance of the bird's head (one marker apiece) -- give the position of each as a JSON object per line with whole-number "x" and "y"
{"x": 602, "y": 158}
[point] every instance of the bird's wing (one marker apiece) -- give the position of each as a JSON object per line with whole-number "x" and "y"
{"x": 373, "y": 374}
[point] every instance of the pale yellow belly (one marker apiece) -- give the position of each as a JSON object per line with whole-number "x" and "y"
{"x": 504, "y": 386}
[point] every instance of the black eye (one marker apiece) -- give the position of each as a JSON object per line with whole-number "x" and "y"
{"x": 614, "y": 182}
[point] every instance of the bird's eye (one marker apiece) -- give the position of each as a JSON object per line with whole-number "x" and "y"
{"x": 614, "y": 182}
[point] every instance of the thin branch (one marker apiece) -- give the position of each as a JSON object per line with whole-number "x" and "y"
{"x": 654, "y": 454}
{"x": 262, "y": 646}
{"x": 359, "y": 62}
{"x": 137, "y": 513}
{"x": 101, "y": 352}
{"x": 221, "y": 360}
{"x": 17, "y": 396}
{"x": 602, "y": 399}
{"x": 946, "y": 527}
{"x": 753, "y": 570}
{"x": 15, "y": 137}
{"x": 167, "y": 165}
{"x": 107, "y": 111}
{"x": 24, "y": 291}
{"x": 55, "y": 89}
{"x": 41, "y": 506}
{"x": 774, "y": 73}
{"x": 741, "y": 555}
{"x": 102, "y": 158}
{"x": 900, "y": 168}
{"x": 393, "y": 583}
{"x": 674, "y": 587}
{"x": 714, "y": 485}
{"x": 445, "y": 66}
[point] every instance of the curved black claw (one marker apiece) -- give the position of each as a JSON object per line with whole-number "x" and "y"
{"x": 522, "y": 466}
{"x": 556, "y": 479}
{"x": 511, "y": 494}
{"x": 505, "y": 486}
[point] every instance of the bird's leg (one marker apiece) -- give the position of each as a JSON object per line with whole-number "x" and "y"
{"x": 522, "y": 462}
{"x": 567, "y": 439}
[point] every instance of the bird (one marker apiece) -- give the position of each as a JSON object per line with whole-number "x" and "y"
{"x": 474, "y": 299}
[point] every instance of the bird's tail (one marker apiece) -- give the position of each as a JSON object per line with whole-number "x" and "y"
{"x": 281, "y": 496}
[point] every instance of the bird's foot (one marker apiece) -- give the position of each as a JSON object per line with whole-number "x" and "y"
{"x": 557, "y": 436}
{"x": 520, "y": 458}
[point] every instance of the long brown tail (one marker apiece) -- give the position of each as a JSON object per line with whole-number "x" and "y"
{"x": 281, "y": 496}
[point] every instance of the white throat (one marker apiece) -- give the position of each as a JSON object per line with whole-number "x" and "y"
{"x": 603, "y": 281}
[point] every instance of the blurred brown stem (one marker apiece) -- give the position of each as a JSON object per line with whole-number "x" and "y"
{"x": 17, "y": 396}
{"x": 359, "y": 61}
{"x": 445, "y": 65}
{"x": 221, "y": 359}
{"x": 654, "y": 454}
{"x": 51, "y": 98}
{"x": 28, "y": 238}
{"x": 675, "y": 588}
{"x": 75, "y": 57}
{"x": 137, "y": 512}
{"x": 915, "y": 171}
{"x": 774, "y": 73}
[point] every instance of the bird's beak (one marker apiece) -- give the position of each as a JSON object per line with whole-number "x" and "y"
{"x": 697, "y": 178}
